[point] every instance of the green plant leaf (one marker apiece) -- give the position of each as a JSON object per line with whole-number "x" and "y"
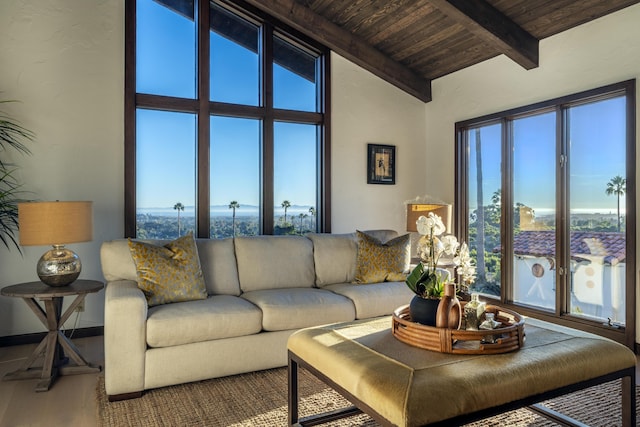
{"x": 12, "y": 135}
{"x": 414, "y": 277}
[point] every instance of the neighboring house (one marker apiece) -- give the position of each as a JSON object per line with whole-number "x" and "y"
{"x": 597, "y": 272}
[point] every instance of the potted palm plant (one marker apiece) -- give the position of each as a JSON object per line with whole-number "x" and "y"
{"x": 12, "y": 137}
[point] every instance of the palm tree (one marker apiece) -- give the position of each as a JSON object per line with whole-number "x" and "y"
{"x": 12, "y": 135}
{"x": 286, "y": 205}
{"x": 179, "y": 207}
{"x": 617, "y": 186}
{"x": 302, "y": 216}
{"x": 234, "y": 205}
{"x": 312, "y": 212}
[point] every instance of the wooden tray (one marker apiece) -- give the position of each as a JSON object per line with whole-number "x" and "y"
{"x": 510, "y": 335}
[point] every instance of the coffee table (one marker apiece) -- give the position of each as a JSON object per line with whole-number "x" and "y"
{"x": 397, "y": 384}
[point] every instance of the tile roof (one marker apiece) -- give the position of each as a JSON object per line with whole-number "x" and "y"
{"x": 610, "y": 245}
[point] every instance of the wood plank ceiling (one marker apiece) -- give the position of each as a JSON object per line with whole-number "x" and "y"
{"x": 409, "y": 43}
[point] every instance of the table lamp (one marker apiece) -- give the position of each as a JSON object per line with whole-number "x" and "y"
{"x": 416, "y": 210}
{"x": 56, "y": 223}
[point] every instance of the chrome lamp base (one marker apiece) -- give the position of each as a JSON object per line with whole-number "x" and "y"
{"x": 59, "y": 266}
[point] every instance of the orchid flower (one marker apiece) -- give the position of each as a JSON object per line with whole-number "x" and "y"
{"x": 451, "y": 244}
{"x": 426, "y": 281}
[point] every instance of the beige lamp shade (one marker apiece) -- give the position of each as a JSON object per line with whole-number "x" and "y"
{"x": 416, "y": 210}
{"x": 55, "y": 223}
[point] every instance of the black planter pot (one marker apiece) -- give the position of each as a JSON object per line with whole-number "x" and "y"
{"x": 423, "y": 310}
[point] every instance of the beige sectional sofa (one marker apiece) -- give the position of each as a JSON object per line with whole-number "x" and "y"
{"x": 260, "y": 290}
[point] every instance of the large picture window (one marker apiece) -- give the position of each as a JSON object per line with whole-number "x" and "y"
{"x": 225, "y": 131}
{"x": 547, "y": 201}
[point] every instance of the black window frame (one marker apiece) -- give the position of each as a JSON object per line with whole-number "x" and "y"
{"x": 624, "y": 334}
{"x": 203, "y": 108}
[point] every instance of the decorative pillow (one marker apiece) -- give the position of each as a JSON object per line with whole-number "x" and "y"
{"x": 378, "y": 262}
{"x": 169, "y": 273}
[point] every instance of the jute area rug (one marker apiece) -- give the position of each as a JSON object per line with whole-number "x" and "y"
{"x": 260, "y": 399}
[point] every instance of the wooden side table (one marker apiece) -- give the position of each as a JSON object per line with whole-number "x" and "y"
{"x": 55, "y": 344}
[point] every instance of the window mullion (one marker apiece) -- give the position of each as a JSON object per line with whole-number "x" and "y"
{"x": 130, "y": 120}
{"x": 267, "y": 203}
{"x": 204, "y": 131}
{"x": 563, "y": 249}
{"x": 506, "y": 216}
{"x": 461, "y": 200}
{"x": 630, "y": 283}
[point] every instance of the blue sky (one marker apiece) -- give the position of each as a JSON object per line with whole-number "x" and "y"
{"x": 166, "y": 141}
{"x": 597, "y": 154}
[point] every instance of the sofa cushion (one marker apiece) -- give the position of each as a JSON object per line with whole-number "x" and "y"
{"x": 272, "y": 262}
{"x": 334, "y": 257}
{"x": 169, "y": 273}
{"x": 378, "y": 261}
{"x": 218, "y": 261}
{"x": 295, "y": 308}
{"x": 375, "y": 299}
{"x": 382, "y": 235}
{"x": 116, "y": 261}
{"x": 219, "y": 316}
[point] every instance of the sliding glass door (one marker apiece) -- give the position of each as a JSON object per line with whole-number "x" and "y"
{"x": 534, "y": 188}
{"x": 545, "y": 198}
{"x": 597, "y": 209}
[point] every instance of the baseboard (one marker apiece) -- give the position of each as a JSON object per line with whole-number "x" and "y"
{"x": 37, "y": 337}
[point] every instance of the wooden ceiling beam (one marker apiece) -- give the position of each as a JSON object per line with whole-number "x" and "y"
{"x": 494, "y": 28}
{"x": 346, "y": 44}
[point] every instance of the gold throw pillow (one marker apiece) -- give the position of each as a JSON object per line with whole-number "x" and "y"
{"x": 378, "y": 262}
{"x": 169, "y": 273}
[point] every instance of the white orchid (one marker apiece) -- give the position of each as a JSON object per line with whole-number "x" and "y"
{"x": 426, "y": 279}
{"x": 451, "y": 244}
{"x": 465, "y": 268}
{"x": 430, "y": 225}
{"x": 430, "y": 248}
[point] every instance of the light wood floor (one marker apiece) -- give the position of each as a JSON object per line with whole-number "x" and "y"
{"x": 70, "y": 401}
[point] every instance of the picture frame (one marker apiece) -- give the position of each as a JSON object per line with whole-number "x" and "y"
{"x": 381, "y": 164}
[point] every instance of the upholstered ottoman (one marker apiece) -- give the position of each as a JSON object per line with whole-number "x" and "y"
{"x": 398, "y": 384}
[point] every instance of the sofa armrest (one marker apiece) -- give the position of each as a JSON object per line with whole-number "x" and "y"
{"x": 125, "y": 344}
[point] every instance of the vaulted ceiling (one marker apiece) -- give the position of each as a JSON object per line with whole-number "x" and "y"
{"x": 409, "y": 43}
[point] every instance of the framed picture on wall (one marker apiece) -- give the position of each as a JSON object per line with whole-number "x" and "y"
{"x": 381, "y": 164}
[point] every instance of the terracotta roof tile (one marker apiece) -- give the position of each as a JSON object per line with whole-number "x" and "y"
{"x": 610, "y": 245}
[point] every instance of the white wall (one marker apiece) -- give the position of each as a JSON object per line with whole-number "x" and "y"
{"x": 366, "y": 109}
{"x": 601, "y": 52}
{"x": 63, "y": 60}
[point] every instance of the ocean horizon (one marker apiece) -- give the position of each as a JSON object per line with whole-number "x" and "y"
{"x": 222, "y": 210}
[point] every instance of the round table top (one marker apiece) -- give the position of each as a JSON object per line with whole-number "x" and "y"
{"x": 40, "y": 290}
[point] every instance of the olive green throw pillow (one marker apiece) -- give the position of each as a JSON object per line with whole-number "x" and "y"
{"x": 169, "y": 273}
{"x": 378, "y": 262}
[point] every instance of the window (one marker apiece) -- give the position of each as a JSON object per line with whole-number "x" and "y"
{"x": 546, "y": 200}
{"x": 225, "y": 131}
